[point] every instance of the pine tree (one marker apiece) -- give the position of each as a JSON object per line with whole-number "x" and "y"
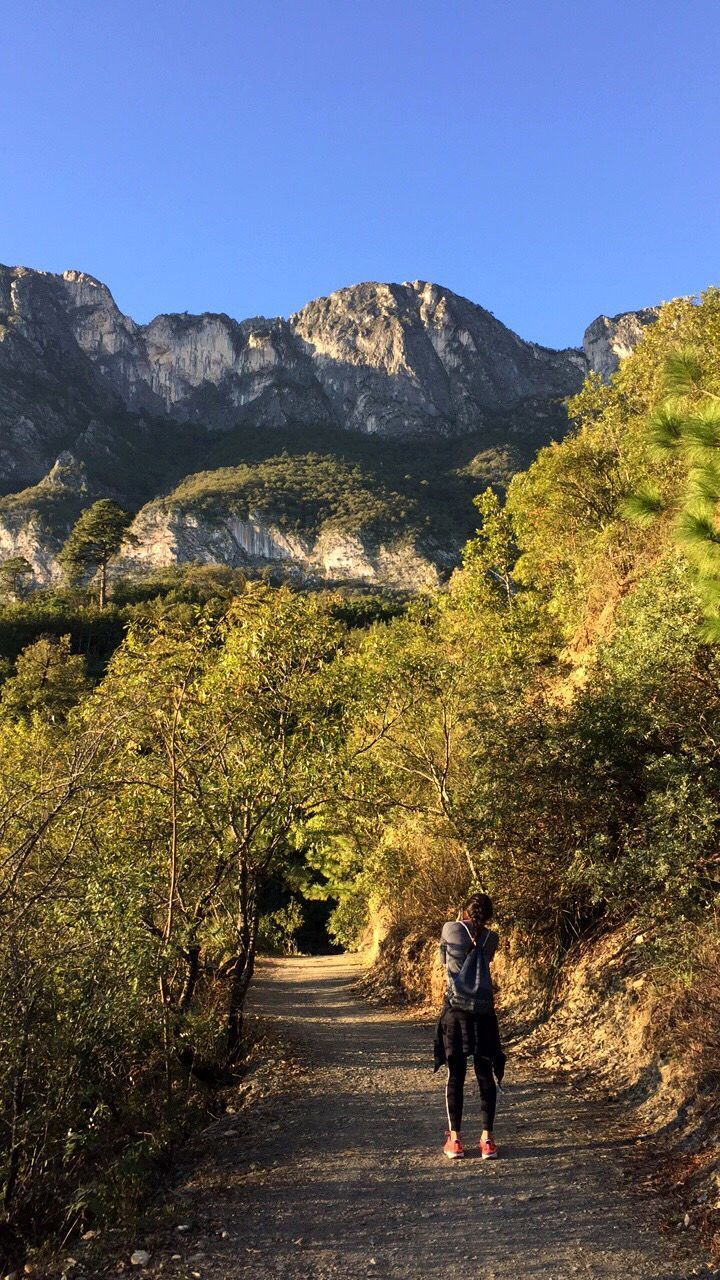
{"x": 14, "y": 576}
{"x": 687, "y": 423}
{"x": 94, "y": 539}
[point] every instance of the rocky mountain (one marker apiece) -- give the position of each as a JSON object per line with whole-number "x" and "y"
{"x": 418, "y": 386}
{"x": 609, "y": 339}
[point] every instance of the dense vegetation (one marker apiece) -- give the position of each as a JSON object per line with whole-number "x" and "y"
{"x": 302, "y": 494}
{"x": 382, "y": 487}
{"x": 547, "y": 728}
{"x": 435, "y": 480}
{"x": 554, "y": 737}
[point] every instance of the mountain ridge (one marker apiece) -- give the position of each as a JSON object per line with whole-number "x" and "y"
{"x": 395, "y": 358}
{"x": 417, "y": 384}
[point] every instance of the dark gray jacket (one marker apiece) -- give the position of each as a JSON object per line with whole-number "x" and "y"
{"x": 458, "y": 1032}
{"x": 455, "y": 942}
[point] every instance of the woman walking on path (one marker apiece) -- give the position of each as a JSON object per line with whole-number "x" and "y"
{"x": 468, "y": 1026}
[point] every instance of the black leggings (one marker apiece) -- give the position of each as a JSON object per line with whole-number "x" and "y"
{"x": 457, "y": 1069}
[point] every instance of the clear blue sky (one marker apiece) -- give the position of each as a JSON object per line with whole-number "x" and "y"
{"x": 550, "y": 159}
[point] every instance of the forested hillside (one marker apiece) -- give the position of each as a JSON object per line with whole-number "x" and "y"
{"x": 546, "y": 727}
{"x": 553, "y": 727}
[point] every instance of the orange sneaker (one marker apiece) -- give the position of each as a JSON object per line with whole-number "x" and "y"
{"x": 453, "y": 1148}
{"x": 488, "y": 1150}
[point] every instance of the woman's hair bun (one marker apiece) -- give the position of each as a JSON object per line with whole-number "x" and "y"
{"x": 479, "y": 908}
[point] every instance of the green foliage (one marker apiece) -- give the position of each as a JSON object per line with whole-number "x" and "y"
{"x": 433, "y": 480}
{"x": 493, "y": 551}
{"x": 48, "y": 681}
{"x": 54, "y": 505}
{"x": 665, "y": 426}
{"x": 643, "y": 506}
{"x": 301, "y": 493}
{"x": 15, "y": 573}
{"x": 140, "y": 823}
{"x": 191, "y": 583}
{"x": 704, "y": 483}
{"x": 688, "y": 421}
{"x": 545, "y": 728}
{"x": 56, "y": 613}
{"x": 682, "y": 371}
{"x": 278, "y": 930}
{"x": 93, "y": 540}
{"x": 575, "y": 509}
{"x": 701, "y": 431}
{"x": 550, "y": 722}
{"x": 436, "y": 479}
{"x": 698, "y": 535}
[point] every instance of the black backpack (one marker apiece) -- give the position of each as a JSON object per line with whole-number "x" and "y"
{"x": 471, "y": 989}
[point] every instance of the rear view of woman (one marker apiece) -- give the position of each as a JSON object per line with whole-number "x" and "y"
{"x": 468, "y": 1026}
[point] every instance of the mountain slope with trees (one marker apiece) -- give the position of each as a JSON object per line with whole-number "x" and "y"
{"x": 424, "y": 390}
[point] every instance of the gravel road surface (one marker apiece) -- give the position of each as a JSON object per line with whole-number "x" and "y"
{"x": 342, "y": 1176}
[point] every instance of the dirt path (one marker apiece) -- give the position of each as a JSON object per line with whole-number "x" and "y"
{"x": 344, "y": 1177}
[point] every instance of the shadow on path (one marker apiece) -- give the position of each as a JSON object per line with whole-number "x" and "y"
{"x": 346, "y": 1177}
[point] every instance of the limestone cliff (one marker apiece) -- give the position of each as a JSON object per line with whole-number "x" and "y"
{"x": 132, "y": 409}
{"x": 406, "y": 359}
{"x": 374, "y": 357}
{"x": 415, "y": 357}
{"x": 49, "y": 389}
{"x": 169, "y": 534}
{"x": 609, "y": 339}
{"x": 33, "y": 525}
{"x": 34, "y": 522}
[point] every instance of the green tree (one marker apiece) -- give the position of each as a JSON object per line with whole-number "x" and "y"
{"x": 15, "y": 573}
{"x": 231, "y": 733}
{"x": 49, "y": 679}
{"x": 279, "y": 700}
{"x": 686, "y": 424}
{"x": 493, "y": 550}
{"x": 56, "y": 990}
{"x": 94, "y": 539}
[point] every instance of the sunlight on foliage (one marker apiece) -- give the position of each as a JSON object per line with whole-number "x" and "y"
{"x": 191, "y": 771}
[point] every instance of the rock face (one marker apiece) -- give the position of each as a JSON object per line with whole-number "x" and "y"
{"x": 609, "y": 339}
{"x": 208, "y": 368}
{"x": 167, "y": 532}
{"x": 49, "y": 389}
{"x": 379, "y": 358}
{"x": 27, "y": 526}
{"x": 393, "y": 359}
{"x": 81, "y": 381}
{"x": 405, "y": 359}
{"x": 170, "y": 535}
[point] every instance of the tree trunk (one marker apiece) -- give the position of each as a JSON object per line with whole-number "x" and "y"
{"x": 164, "y": 993}
{"x": 103, "y": 584}
{"x": 163, "y": 983}
{"x": 240, "y": 980}
{"x": 242, "y": 968}
{"x": 18, "y": 1107}
{"x": 191, "y": 977}
{"x": 476, "y": 879}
